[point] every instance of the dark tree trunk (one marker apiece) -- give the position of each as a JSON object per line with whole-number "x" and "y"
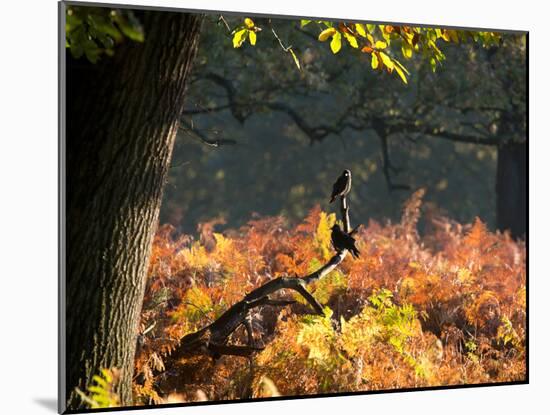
{"x": 122, "y": 118}
{"x": 511, "y": 187}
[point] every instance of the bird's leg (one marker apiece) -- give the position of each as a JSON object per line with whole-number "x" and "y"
{"x": 345, "y": 213}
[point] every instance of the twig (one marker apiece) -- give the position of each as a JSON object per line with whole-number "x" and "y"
{"x": 148, "y": 329}
{"x": 285, "y": 48}
{"x": 222, "y": 19}
{"x": 205, "y": 140}
{"x": 183, "y": 163}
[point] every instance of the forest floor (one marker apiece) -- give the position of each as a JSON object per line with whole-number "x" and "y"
{"x": 444, "y": 308}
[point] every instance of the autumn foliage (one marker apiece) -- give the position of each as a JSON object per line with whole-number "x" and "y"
{"x": 444, "y": 306}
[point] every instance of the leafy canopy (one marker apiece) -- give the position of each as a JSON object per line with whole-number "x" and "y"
{"x": 93, "y": 31}
{"x": 382, "y": 42}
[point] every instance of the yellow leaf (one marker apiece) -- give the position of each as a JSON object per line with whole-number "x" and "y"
{"x": 359, "y": 28}
{"x": 374, "y": 62}
{"x": 296, "y": 61}
{"x": 323, "y": 233}
{"x": 336, "y": 43}
{"x": 454, "y": 36}
{"x": 407, "y": 51}
{"x": 252, "y": 37}
{"x": 239, "y": 37}
{"x": 397, "y": 63}
{"x": 351, "y": 40}
{"x": 249, "y": 23}
{"x": 401, "y": 74}
{"x": 386, "y": 60}
{"x": 325, "y": 34}
{"x": 380, "y": 44}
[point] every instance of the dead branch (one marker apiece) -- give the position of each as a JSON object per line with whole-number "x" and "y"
{"x": 212, "y": 339}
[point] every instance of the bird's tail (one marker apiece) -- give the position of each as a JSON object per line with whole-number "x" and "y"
{"x": 355, "y": 252}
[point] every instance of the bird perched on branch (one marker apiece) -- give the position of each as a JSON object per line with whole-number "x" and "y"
{"x": 342, "y": 240}
{"x": 342, "y": 186}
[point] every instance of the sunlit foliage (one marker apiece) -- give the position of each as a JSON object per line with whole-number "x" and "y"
{"x": 102, "y": 393}
{"x": 441, "y": 304}
{"x": 384, "y": 43}
{"x": 94, "y": 31}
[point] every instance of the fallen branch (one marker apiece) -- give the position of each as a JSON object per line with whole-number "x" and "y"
{"x": 213, "y": 338}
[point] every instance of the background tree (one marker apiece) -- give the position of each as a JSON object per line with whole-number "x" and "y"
{"x": 404, "y": 124}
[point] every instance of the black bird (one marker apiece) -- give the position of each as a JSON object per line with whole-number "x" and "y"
{"x": 342, "y": 240}
{"x": 342, "y": 186}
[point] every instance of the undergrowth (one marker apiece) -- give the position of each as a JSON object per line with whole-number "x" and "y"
{"x": 447, "y": 307}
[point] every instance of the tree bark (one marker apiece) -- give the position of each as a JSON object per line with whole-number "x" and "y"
{"x": 122, "y": 118}
{"x": 511, "y": 188}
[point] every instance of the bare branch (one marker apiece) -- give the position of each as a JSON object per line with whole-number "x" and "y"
{"x": 222, "y": 19}
{"x": 205, "y": 140}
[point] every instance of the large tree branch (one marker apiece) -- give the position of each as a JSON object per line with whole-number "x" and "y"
{"x": 385, "y": 126}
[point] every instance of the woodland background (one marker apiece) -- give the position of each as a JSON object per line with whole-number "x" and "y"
{"x": 278, "y": 166}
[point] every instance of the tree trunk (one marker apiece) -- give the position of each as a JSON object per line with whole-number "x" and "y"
{"x": 511, "y": 187}
{"x": 122, "y": 118}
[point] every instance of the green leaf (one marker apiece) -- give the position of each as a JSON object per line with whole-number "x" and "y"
{"x": 336, "y": 43}
{"x": 252, "y": 37}
{"x": 371, "y": 28}
{"x": 72, "y": 21}
{"x": 304, "y": 22}
{"x": 433, "y": 64}
{"x": 239, "y": 37}
{"x": 130, "y": 26}
{"x": 351, "y": 40}
{"x": 104, "y": 25}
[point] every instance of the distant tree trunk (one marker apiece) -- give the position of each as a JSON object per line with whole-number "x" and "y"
{"x": 122, "y": 118}
{"x": 511, "y": 188}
